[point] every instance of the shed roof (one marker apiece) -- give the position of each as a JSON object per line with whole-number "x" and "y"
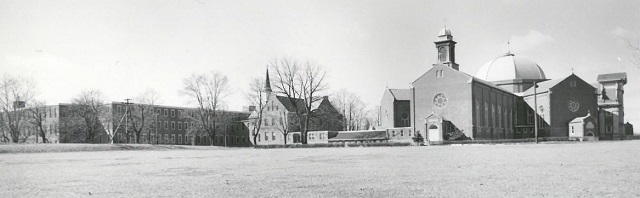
{"x": 401, "y": 94}
{"x": 360, "y": 135}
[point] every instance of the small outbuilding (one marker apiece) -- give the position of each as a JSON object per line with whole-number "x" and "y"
{"x": 583, "y": 128}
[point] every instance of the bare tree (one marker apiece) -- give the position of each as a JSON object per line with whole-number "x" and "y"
{"x": 257, "y": 97}
{"x": 208, "y": 91}
{"x": 353, "y": 109}
{"x": 14, "y": 93}
{"x": 285, "y": 123}
{"x": 142, "y": 115}
{"x": 375, "y": 116}
{"x": 95, "y": 115}
{"x": 37, "y": 118}
{"x": 635, "y": 50}
{"x": 301, "y": 83}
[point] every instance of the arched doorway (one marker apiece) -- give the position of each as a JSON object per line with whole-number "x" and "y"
{"x": 433, "y": 129}
{"x": 434, "y": 133}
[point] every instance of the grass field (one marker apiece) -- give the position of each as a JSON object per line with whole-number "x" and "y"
{"x": 49, "y": 148}
{"x": 601, "y": 169}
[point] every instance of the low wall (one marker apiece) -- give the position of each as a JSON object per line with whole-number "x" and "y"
{"x": 541, "y": 139}
{"x": 347, "y": 144}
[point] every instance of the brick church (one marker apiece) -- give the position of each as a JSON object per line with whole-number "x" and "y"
{"x": 501, "y": 101}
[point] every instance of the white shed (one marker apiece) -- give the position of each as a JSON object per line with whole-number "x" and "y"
{"x": 583, "y": 128}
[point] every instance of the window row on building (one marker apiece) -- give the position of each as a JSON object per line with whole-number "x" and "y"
{"x": 267, "y": 136}
{"x": 173, "y": 125}
{"x": 163, "y": 138}
{"x": 175, "y": 112}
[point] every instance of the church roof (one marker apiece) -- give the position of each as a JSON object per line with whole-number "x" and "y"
{"x": 478, "y": 80}
{"x": 547, "y": 85}
{"x": 510, "y": 67}
{"x": 613, "y": 77}
{"x": 288, "y": 105}
{"x": 401, "y": 94}
{"x": 472, "y": 78}
{"x": 360, "y": 135}
{"x": 544, "y": 86}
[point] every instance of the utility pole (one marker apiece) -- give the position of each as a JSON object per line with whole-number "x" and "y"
{"x": 126, "y": 114}
{"x": 535, "y": 109}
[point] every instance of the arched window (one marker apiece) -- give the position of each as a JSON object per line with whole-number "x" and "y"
{"x": 442, "y": 54}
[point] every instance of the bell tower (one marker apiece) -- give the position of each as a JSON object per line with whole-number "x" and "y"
{"x": 446, "y": 49}
{"x": 611, "y": 105}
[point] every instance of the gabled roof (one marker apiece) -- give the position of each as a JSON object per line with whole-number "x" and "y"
{"x": 474, "y": 79}
{"x": 288, "y": 105}
{"x": 580, "y": 119}
{"x": 317, "y": 104}
{"x": 401, "y": 94}
{"x": 360, "y": 135}
{"x": 613, "y": 77}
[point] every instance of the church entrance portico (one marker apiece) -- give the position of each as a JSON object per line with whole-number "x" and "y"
{"x": 433, "y": 129}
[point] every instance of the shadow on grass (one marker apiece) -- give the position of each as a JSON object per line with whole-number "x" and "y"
{"x": 47, "y": 148}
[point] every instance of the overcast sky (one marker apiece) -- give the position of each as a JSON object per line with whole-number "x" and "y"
{"x": 125, "y": 47}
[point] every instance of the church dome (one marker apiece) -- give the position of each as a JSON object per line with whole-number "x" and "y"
{"x": 510, "y": 67}
{"x": 444, "y": 32}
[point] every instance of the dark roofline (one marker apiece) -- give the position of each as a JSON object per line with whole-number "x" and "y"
{"x": 620, "y": 76}
{"x": 398, "y": 90}
{"x": 393, "y": 95}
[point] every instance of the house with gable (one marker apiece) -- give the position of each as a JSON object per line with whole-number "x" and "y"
{"x": 279, "y": 117}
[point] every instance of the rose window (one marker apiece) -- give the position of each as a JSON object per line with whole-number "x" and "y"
{"x": 574, "y": 105}
{"x": 440, "y": 100}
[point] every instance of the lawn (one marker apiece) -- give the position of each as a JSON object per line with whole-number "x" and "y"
{"x": 601, "y": 169}
{"x": 48, "y": 148}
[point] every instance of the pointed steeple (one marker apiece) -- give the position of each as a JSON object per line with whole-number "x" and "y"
{"x": 267, "y": 83}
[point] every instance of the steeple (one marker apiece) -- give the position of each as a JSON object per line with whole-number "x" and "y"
{"x": 267, "y": 84}
{"x": 446, "y": 48}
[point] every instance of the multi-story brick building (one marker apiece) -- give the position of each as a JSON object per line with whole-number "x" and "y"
{"x": 179, "y": 125}
{"x": 60, "y": 123}
{"x": 163, "y": 125}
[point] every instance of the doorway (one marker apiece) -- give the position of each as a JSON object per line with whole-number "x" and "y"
{"x": 434, "y": 133}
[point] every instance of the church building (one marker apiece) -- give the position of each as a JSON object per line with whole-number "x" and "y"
{"x": 280, "y": 125}
{"x": 508, "y": 98}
